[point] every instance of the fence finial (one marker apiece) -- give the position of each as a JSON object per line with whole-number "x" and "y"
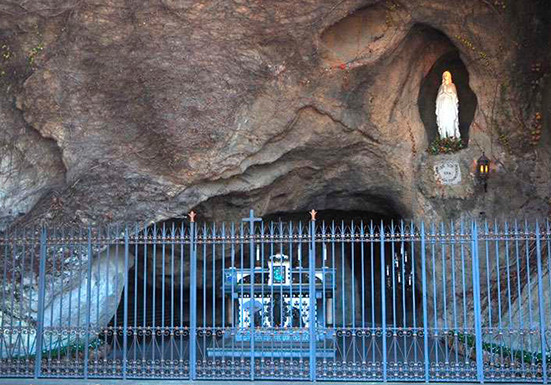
{"x": 313, "y": 214}
{"x": 192, "y": 216}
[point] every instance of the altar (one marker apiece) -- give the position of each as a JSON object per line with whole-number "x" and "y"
{"x": 276, "y": 317}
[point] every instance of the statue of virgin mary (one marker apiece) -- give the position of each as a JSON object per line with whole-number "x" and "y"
{"x": 447, "y": 108}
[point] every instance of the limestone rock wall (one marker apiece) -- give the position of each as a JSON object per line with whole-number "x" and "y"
{"x": 150, "y": 109}
{"x": 116, "y": 110}
{"x": 66, "y": 289}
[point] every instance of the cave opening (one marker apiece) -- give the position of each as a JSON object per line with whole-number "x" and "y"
{"x": 375, "y": 284}
{"x": 159, "y": 297}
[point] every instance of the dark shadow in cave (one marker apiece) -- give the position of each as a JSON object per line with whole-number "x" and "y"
{"x": 426, "y": 100}
{"x": 365, "y": 264}
{"x": 154, "y": 303}
{"x": 158, "y": 310}
{"x": 364, "y": 270}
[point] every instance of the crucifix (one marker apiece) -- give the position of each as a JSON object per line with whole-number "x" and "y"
{"x": 251, "y": 220}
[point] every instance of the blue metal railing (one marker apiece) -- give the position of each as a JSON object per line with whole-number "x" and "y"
{"x": 313, "y": 300}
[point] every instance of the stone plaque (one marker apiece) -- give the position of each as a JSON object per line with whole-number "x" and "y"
{"x": 448, "y": 172}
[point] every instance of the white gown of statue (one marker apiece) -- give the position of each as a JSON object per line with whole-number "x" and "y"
{"x": 447, "y": 111}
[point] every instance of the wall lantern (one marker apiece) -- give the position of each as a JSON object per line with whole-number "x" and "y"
{"x": 483, "y": 170}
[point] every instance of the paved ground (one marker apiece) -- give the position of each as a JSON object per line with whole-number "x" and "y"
{"x": 166, "y": 382}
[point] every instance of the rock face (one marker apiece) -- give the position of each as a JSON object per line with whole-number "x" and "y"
{"x": 30, "y": 165}
{"x": 65, "y": 306}
{"x": 144, "y": 121}
{"x": 117, "y": 110}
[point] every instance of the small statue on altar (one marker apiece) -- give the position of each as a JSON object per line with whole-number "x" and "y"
{"x": 447, "y": 108}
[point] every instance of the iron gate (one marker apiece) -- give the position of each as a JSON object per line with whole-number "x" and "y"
{"x": 304, "y": 301}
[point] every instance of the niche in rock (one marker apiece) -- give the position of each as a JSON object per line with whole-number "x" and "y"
{"x": 451, "y": 62}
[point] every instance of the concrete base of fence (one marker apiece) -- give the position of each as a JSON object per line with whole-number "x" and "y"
{"x": 180, "y": 382}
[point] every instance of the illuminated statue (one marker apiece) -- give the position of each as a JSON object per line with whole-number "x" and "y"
{"x": 447, "y": 108}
